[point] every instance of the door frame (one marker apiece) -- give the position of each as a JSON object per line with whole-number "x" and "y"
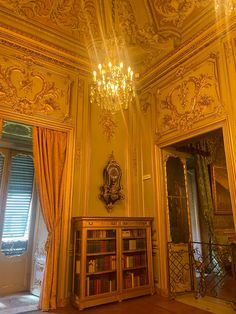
{"x": 63, "y": 273}
{"x": 161, "y": 217}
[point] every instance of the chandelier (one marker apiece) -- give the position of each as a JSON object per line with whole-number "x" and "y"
{"x": 113, "y": 87}
{"x": 227, "y": 6}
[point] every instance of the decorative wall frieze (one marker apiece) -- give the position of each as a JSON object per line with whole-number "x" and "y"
{"x": 72, "y": 16}
{"x": 187, "y": 102}
{"x": 42, "y": 54}
{"x": 176, "y": 12}
{"x": 108, "y": 123}
{"x": 150, "y": 29}
{"x": 29, "y": 89}
{"x": 185, "y": 51}
{"x": 189, "y": 96}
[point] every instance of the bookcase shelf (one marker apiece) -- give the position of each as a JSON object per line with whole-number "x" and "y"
{"x": 112, "y": 259}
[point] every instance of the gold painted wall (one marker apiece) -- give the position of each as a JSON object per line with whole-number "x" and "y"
{"x": 45, "y": 81}
{"x": 190, "y": 94}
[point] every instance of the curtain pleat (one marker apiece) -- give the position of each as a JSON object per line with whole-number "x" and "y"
{"x": 204, "y": 193}
{"x": 49, "y": 149}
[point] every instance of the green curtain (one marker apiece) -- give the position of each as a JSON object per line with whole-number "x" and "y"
{"x": 204, "y": 193}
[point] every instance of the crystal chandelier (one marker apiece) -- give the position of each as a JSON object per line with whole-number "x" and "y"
{"x": 225, "y": 6}
{"x": 113, "y": 87}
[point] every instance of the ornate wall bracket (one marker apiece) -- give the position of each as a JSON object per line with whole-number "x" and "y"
{"x": 111, "y": 190}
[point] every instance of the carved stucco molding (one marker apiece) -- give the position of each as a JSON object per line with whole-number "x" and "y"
{"x": 186, "y": 102}
{"x": 176, "y": 12}
{"x": 147, "y": 37}
{"x": 73, "y": 16}
{"x": 108, "y": 123}
{"x": 38, "y": 53}
{"x": 27, "y": 90}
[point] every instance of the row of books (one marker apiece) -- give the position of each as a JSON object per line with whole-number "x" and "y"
{"x": 99, "y": 285}
{"x": 134, "y": 260}
{"x": 132, "y": 280}
{"x": 101, "y": 263}
{"x": 93, "y": 234}
{"x": 98, "y": 246}
{"x": 133, "y": 244}
{"x": 126, "y": 233}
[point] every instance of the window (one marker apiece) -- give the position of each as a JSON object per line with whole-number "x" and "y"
{"x": 16, "y": 177}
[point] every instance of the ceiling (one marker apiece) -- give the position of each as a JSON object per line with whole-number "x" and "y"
{"x": 141, "y": 31}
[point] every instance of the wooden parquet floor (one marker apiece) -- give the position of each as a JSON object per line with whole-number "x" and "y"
{"x": 143, "y": 305}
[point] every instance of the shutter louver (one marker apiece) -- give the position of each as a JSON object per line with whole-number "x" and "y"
{"x": 2, "y": 158}
{"x": 18, "y": 203}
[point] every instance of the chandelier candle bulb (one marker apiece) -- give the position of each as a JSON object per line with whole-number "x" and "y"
{"x": 113, "y": 87}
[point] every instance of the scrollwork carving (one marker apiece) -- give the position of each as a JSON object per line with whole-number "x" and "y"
{"x": 108, "y": 123}
{"x": 188, "y": 101}
{"x": 27, "y": 90}
{"x": 147, "y": 37}
{"x": 72, "y": 15}
{"x": 176, "y": 12}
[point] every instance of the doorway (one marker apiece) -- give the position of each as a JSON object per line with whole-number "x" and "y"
{"x": 21, "y": 225}
{"x": 204, "y": 263}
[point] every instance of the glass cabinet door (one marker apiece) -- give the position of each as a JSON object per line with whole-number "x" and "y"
{"x": 134, "y": 258}
{"x": 77, "y": 263}
{"x": 101, "y": 268}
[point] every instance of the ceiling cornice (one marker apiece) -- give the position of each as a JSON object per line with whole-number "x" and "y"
{"x": 175, "y": 58}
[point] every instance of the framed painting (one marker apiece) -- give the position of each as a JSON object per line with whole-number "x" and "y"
{"x": 220, "y": 189}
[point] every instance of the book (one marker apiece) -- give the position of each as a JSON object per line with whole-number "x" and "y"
{"x": 126, "y": 233}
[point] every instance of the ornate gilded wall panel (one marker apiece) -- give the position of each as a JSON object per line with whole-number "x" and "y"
{"x": 189, "y": 97}
{"x": 32, "y": 88}
{"x": 68, "y": 17}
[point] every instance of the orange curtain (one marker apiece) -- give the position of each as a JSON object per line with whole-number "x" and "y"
{"x": 49, "y": 149}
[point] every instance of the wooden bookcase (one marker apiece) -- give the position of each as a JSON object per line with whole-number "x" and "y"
{"x": 112, "y": 259}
